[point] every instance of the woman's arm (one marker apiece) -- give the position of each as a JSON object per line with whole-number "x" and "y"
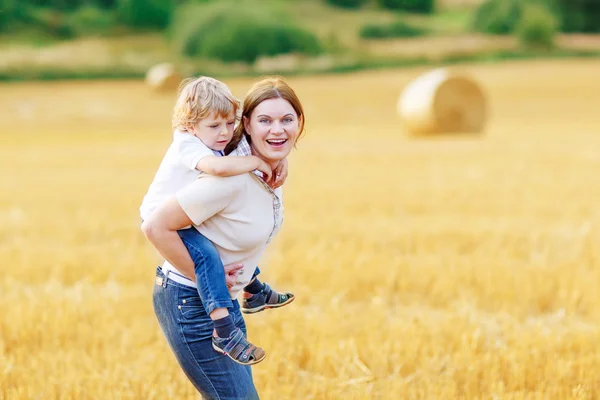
{"x": 194, "y": 204}
{"x": 161, "y": 230}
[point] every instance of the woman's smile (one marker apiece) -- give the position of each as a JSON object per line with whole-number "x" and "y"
{"x": 277, "y": 143}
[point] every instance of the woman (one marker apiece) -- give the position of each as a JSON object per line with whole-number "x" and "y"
{"x": 240, "y": 215}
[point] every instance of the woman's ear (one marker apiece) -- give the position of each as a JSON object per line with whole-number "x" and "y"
{"x": 246, "y": 123}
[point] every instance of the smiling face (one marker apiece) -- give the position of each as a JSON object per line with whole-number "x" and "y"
{"x": 215, "y": 131}
{"x": 273, "y": 127}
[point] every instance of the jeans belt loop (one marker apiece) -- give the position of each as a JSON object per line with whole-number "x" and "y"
{"x": 166, "y": 278}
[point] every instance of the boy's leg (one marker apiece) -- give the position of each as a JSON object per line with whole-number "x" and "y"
{"x": 209, "y": 271}
{"x": 212, "y": 288}
{"x": 259, "y": 296}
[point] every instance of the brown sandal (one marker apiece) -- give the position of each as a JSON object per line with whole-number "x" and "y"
{"x": 265, "y": 299}
{"x": 238, "y": 348}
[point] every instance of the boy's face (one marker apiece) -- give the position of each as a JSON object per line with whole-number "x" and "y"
{"x": 215, "y": 131}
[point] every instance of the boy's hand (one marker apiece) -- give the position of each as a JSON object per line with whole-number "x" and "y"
{"x": 265, "y": 169}
{"x": 231, "y": 274}
{"x": 281, "y": 173}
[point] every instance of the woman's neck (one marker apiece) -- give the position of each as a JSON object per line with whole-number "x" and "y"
{"x": 272, "y": 163}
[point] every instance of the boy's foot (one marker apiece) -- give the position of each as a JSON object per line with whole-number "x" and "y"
{"x": 238, "y": 348}
{"x": 265, "y": 299}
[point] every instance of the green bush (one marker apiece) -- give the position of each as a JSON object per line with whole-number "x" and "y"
{"x": 63, "y": 5}
{"x": 50, "y": 22}
{"x": 501, "y": 16}
{"x": 418, "y": 6}
{"x": 347, "y": 3}
{"x": 395, "y": 29}
{"x": 190, "y": 25}
{"x": 11, "y": 14}
{"x": 65, "y": 18}
{"x": 238, "y": 33}
{"x": 537, "y": 26}
{"x": 54, "y": 4}
{"x": 91, "y": 20}
{"x": 578, "y": 15}
{"x": 145, "y": 14}
{"x": 257, "y": 39}
{"x": 498, "y": 17}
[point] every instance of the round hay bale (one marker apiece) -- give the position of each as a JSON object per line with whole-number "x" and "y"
{"x": 442, "y": 101}
{"x": 163, "y": 77}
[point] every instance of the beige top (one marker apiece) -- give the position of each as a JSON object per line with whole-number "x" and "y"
{"x": 238, "y": 214}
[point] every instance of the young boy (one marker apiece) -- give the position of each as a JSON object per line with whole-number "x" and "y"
{"x": 204, "y": 117}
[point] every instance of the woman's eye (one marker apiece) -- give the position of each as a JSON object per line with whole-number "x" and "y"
{"x": 288, "y": 120}
{"x": 262, "y": 121}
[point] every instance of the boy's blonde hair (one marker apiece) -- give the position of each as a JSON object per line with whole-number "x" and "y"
{"x": 200, "y": 98}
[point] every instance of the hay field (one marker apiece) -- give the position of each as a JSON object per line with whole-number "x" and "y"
{"x": 464, "y": 267}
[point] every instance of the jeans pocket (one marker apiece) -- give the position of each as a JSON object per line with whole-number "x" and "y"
{"x": 195, "y": 323}
{"x": 191, "y": 308}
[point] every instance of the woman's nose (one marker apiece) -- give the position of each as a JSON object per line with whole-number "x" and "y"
{"x": 277, "y": 127}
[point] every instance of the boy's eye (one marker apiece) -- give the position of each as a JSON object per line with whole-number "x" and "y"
{"x": 231, "y": 122}
{"x": 214, "y": 126}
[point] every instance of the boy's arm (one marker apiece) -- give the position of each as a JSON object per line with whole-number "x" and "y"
{"x": 232, "y": 165}
{"x": 191, "y": 150}
{"x": 281, "y": 173}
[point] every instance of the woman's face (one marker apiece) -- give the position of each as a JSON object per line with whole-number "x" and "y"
{"x": 273, "y": 127}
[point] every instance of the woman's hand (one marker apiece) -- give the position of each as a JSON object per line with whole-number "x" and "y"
{"x": 280, "y": 174}
{"x": 231, "y": 274}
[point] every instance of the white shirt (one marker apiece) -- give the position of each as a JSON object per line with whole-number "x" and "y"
{"x": 178, "y": 169}
{"x": 238, "y": 214}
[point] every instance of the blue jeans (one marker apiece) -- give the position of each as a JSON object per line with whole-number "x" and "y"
{"x": 188, "y": 329}
{"x": 209, "y": 270}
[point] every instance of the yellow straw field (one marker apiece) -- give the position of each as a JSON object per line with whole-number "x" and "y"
{"x": 453, "y": 267}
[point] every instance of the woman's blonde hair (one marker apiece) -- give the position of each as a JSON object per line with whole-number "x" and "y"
{"x": 270, "y": 87}
{"x": 200, "y": 98}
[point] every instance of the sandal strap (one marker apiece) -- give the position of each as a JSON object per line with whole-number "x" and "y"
{"x": 266, "y": 296}
{"x": 239, "y": 348}
{"x": 272, "y": 297}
